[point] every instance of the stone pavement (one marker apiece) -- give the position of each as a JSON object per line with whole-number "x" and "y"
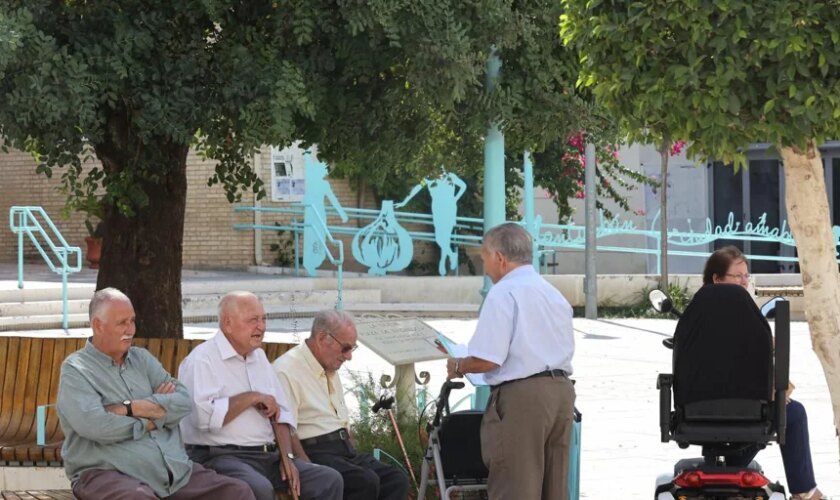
{"x": 615, "y": 366}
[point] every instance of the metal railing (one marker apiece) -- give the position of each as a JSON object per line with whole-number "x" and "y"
{"x": 320, "y": 229}
{"x": 51, "y": 245}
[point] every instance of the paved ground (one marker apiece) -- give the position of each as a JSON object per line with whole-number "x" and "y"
{"x": 615, "y": 365}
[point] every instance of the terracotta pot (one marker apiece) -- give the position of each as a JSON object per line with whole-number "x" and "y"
{"x": 94, "y": 251}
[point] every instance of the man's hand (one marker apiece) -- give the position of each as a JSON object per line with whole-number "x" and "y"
{"x": 139, "y": 408}
{"x": 294, "y": 481}
{"x": 147, "y": 409}
{"x": 267, "y": 406}
{"x": 450, "y": 368}
{"x": 165, "y": 388}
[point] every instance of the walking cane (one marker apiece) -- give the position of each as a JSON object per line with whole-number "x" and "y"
{"x": 284, "y": 462}
{"x": 386, "y": 403}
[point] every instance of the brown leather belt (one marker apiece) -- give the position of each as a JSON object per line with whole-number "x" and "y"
{"x": 547, "y": 373}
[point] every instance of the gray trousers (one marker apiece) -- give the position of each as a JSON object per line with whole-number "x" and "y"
{"x": 261, "y": 470}
{"x": 96, "y": 484}
{"x": 525, "y": 436}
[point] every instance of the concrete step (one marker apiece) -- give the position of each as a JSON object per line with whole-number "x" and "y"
{"x": 38, "y": 292}
{"x": 39, "y": 308}
{"x": 274, "y": 311}
{"x": 293, "y": 298}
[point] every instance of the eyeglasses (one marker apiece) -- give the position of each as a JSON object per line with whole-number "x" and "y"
{"x": 345, "y": 348}
{"x": 739, "y": 276}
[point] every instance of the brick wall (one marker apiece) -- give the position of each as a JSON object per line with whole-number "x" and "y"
{"x": 19, "y": 185}
{"x": 210, "y": 241}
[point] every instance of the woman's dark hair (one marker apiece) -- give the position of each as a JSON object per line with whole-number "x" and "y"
{"x": 719, "y": 262}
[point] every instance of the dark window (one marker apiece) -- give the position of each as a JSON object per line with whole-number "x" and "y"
{"x": 764, "y": 201}
{"x": 728, "y": 197}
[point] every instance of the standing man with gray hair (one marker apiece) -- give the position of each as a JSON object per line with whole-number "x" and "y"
{"x": 524, "y": 344}
{"x": 309, "y": 376}
{"x": 120, "y": 410}
{"x": 241, "y": 421}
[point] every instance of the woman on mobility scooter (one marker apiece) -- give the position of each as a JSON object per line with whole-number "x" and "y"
{"x": 728, "y": 265}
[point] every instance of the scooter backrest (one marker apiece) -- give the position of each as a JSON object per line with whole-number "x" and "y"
{"x": 722, "y": 348}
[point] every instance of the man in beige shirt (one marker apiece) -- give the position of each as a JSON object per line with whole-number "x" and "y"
{"x": 309, "y": 377}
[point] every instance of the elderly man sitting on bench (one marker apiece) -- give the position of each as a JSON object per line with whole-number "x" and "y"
{"x": 120, "y": 410}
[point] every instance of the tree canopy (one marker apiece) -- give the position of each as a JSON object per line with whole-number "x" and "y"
{"x": 721, "y": 74}
{"x": 379, "y": 86}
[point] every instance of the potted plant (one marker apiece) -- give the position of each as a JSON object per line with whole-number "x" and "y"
{"x": 93, "y": 210}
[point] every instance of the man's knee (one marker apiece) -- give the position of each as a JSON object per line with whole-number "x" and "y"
{"x": 260, "y": 485}
{"x": 236, "y": 488}
{"x": 328, "y": 483}
{"x": 363, "y": 481}
{"x": 393, "y": 483}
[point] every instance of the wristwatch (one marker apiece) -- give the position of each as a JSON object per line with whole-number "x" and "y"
{"x": 127, "y": 404}
{"x": 290, "y": 455}
{"x": 458, "y": 368}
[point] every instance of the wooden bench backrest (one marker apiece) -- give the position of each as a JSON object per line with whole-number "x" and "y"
{"x": 30, "y": 369}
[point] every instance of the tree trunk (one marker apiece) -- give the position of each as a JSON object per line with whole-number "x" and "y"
{"x": 808, "y": 215}
{"x": 664, "y": 153}
{"x": 142, "y": 254}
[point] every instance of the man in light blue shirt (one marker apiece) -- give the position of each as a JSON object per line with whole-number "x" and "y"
{"x": 120, "y": 411}
{"x": 524, "y": 344}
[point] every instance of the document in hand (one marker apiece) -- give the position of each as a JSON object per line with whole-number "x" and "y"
{"x": 460, "y": 351}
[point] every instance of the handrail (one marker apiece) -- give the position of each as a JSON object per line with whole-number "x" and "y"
{"x": 24, "y": 221}
{"x": 323, "y": 232}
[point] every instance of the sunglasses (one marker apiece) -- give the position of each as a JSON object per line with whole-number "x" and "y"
{"x": 345, "y": 348}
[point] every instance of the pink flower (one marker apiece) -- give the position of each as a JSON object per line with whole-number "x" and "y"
{"x": 677, "y": 147}
{"x": 579, "y": 195}
{"x": 640, "y": 211}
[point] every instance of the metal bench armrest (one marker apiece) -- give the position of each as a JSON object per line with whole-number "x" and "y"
{"x": 41, "y": 422}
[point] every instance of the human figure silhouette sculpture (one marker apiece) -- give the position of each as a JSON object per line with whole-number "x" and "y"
{"x": 445, "y": 191}
{"x": 314, "y": 235}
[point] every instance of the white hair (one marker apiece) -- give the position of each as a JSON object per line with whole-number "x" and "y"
{"x": 101, "y": 299}
{"x": 230, "y": 301}
{"x": 330, "y": 320}
{"x": 511, "y": 240}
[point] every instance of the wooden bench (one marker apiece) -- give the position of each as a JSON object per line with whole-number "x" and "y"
{"x": 29, "y": 373}
{"x": 37, "y": 495}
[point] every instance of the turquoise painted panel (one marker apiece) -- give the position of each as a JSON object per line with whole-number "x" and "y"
{"x": 317, "y": 188}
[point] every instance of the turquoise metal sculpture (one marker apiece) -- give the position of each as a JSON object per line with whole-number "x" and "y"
{"x": 317, "y": 188}
{"x": 383, "y": 245}
{"x": 445, "y": 191}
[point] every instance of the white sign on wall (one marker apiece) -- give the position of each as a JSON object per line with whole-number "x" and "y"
{"x": 287, "y": 174}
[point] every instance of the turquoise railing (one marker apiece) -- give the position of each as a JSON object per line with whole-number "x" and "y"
{"x": 51, "y": 245}
{"x": 321, "y": 230}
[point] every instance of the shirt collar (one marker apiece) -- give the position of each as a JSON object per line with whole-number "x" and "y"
{"x": 225, "y": 348}
{"x": 311, "y": 361}
{"x": 100, "y": 356}
{"x": 519, "y": 271}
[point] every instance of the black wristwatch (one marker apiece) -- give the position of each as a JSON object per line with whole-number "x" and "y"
{"x": 127, "y": 404}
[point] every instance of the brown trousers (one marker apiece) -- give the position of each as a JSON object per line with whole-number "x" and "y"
{"x": 99, "y": 484}
{"x": 525, "y": 436}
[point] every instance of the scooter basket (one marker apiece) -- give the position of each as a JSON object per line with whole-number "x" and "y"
{"x": 460, "y": 446}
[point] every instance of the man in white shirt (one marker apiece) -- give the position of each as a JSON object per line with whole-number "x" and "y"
{"x": 524, "y": 344}
{"x": 240, "y": 415}
{"x": 309, "y": 376}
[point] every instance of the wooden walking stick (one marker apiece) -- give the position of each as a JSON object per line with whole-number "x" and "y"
{"x": 386, "y": 403}
{"x": 284, "y": 460}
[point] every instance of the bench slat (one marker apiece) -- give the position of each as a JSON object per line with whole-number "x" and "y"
{"x": 10, "y": 369}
